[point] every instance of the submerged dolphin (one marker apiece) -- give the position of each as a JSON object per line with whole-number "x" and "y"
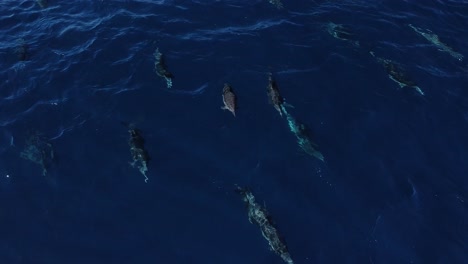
{"x": 302, "y": 135}
{"x": 434, "y": 39}
{"x": 22, "y": 50}
{"x": 139, "y": 154}
{"x": 276, "y": 3}
{"x": 40, "y": 151}
{"x": 397, "y": 74}
{"x": 259, "y": 215}
{"x": 339, "y": 31}
{"x": 161, "y": 69}
{"x": 274, "y": 96}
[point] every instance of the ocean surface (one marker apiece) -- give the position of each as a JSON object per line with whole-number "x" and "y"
{"x": 77, "y": 75}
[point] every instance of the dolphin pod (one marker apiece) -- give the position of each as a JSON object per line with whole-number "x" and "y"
{"x": 394, "y": 70}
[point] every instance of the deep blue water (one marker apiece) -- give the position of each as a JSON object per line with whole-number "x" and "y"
{"x": 393, "y": 187}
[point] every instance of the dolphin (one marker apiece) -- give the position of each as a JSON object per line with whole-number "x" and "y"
{"x": 434, "y": 39}
{"x": 274, "y": 96}
{"x": 229, "y": 99}
{"x": 160, "y": 68}
{"x": 259, "y": 215}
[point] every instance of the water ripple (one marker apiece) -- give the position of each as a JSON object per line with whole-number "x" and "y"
{"x": 91, "y": 62}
